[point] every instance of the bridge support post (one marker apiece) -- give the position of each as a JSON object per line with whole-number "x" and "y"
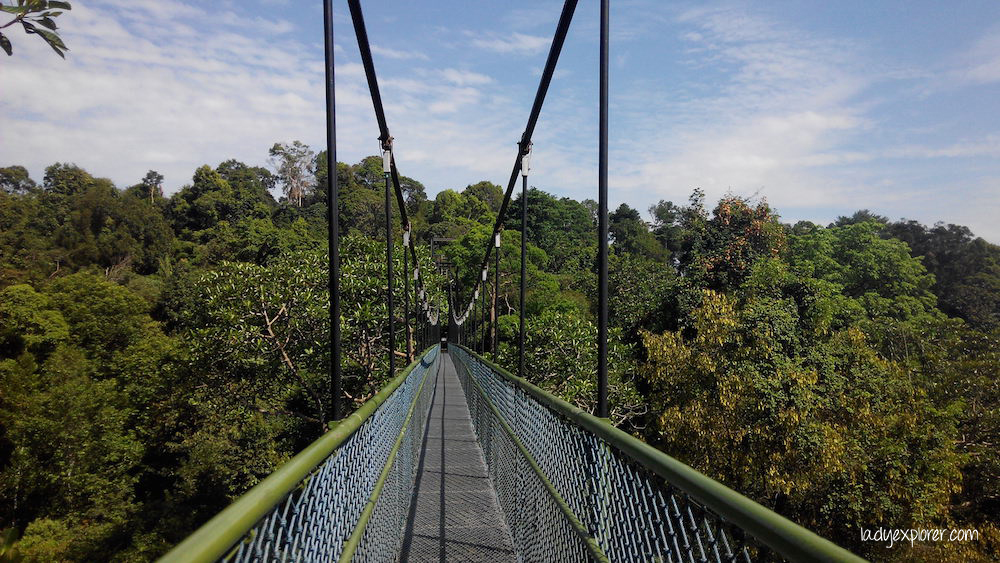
{"x": 386, "y": 170}
{"x": 525, "y": 166}
{"x": 406, "y": 294}
{"x": 496, "y": 295}
{"x": 333, "y": 215}
{"x": 602, "y": 237}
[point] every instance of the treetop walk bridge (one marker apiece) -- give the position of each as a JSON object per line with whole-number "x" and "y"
{"x": 457, "y": 459}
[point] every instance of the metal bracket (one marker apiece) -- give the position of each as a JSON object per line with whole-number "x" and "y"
{"x": 386, "y": 159}
{"x": 525, "y": 159}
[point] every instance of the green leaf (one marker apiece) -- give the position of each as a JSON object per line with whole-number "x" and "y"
{"x": 13, "y": 9}
{"x": 53, "y": 40}
{"x": 47, "y": 22}
{"x": 5, "y": 45}
{"x": 60, "y": 5}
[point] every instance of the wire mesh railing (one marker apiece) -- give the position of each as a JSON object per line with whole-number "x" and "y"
{"x": 344, "y": 498}
{"x": 573, "y": 487}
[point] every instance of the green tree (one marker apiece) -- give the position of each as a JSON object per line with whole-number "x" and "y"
{"x": 37, "y": 17}
{"x": 631, "y": 234}
{"x": 966, "y": 269}
{"x": 561, "y": 227}
{"x": 815, "y": 424}
{"x": 561, "y": 358}
{"x": 15, "y": 180}
{"x": 879, "y": 273}
{"x": 487, "y": 192}
{"x": 153, "y": 183}
{"x": 29, "y": 323}
{"x": 721, "y": 250}
{"x": 295, "y": 164}
{"x": 666, "y": 225}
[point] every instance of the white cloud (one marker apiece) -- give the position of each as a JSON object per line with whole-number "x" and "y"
{"x": 982, "y": 62}
{"x": 394, "y": 54}
{"x": 270, "y": 26}
{"x": 126, "y": 101}
{"x": 143, "y": 89}
{"x": 516, "y": 42}
{"x": 781, "y": 106}
{"x": 154, "y": 84}
{"x": 465, "y": 77}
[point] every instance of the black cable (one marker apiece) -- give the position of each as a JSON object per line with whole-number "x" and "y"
{"x": 558, "y": 39}
{"x": 366, "y": 58}
{"x": 364, "y": 47}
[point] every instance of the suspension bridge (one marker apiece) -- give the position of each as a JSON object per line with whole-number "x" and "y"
{"x": 457, "y": 458}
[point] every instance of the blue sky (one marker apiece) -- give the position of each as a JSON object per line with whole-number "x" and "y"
{"x": 821, "y": 108}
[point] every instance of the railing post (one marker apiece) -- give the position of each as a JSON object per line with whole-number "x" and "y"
{"x": 333, "y": 214}
{"x": 482, "y": 313}
{"x": 602, "y": 211}
{"x": 406, "y": 295}
{"x": 386, "y": 170}
{"x": 496, "y": 295}
{"x": 525, "y": 162}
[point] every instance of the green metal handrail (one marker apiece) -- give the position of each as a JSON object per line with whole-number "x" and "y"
{"x": 216, "y": 537}
{"x": 785, "y": 537}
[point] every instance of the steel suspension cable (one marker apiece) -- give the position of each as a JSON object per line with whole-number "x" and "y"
{"x": 389, "y": 165}
{"x": 358, "y": 19}
{"x": 548, "y": 71}
{"x": 558, "y": 39}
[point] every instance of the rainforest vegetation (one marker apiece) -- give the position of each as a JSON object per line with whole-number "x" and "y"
{"x": 160, "y": 354}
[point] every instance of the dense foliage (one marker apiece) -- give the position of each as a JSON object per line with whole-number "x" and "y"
{"x": 160, "y": 355}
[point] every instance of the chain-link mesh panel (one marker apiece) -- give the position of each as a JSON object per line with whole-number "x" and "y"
{"x": 316, "y": 518}
{"x": 538, "y": 527}
{"x": 383, "y": 536}
{"x": 631, "y": 513}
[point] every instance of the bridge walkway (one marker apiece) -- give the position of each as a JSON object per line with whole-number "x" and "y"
{"x": 455, "y": 515}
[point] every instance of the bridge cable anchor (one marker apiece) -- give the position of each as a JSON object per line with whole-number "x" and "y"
{"x": 525, "y": 158}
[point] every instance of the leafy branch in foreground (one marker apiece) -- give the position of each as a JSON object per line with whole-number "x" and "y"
{"x": 36, "y": 17}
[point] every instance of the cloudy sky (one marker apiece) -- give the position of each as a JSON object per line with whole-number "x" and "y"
{"x": 821, "y": 108}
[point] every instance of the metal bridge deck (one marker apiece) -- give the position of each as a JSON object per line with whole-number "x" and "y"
{"x": 455, "y": 515}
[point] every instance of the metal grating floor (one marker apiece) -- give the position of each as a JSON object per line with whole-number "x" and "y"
{"x": 455, "y": 515}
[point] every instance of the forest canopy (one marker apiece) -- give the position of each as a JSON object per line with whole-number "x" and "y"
{"x": 161, "y": 354}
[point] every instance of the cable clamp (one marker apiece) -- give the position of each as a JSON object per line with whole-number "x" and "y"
{"x": 496, "y": 240}
{"x": 387, "y": 160}
{"x": 525, "y": 159}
